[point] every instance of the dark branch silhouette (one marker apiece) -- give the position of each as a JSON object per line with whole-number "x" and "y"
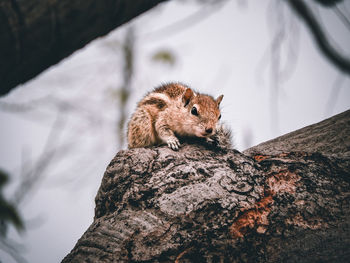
{"x": 38, "y": 34}
{"x": 338, "y": 60}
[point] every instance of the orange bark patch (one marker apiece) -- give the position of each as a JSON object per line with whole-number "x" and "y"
{"x": 260, "y": 157}
{"x": 257, "y": 217}
{"x": 253, "y": 218}
{"x": 186, "y": 251}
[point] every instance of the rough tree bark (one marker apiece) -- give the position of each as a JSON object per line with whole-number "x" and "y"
{"x": 36, "y": 34}
{"x": 287, "y": 200}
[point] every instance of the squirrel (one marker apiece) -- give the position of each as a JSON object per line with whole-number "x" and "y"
{"x": 174, "y": 110}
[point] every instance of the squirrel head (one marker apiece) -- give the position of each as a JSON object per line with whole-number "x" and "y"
{"x": 203, "y": 113}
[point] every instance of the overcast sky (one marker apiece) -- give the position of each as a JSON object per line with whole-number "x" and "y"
{"x": 224, "y": 50}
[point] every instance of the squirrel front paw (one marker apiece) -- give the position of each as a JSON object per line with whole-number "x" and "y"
{"x": 210, "y": 140}
{"x": 173, "y": 143}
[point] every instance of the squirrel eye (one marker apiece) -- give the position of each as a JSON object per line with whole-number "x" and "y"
{"x": 219, "y": 117}
{"x": 194, "y": 111}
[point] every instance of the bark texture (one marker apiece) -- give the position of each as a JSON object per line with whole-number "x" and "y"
{"x": 330, "y": 137}
{"x": 201, "y": 204}
{"x": 36, "y": 34}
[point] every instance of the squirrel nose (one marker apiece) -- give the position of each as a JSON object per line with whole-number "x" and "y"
{"x": 209, "y": 130}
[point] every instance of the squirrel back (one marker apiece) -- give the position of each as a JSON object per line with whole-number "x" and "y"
{"x": 173, "y": 110}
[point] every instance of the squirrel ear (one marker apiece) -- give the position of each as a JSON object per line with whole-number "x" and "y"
{"x": 219, "y": 99}
{"x": 187, "y": 96}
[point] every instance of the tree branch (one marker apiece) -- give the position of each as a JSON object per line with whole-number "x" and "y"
{"x": 203, "y": 205}
{"x": 36, "y": 34}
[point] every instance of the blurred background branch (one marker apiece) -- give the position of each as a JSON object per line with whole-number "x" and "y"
{"x": 341, "y": 61}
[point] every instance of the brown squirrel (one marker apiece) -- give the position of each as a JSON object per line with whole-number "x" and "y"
{"x": 173, "y": 110}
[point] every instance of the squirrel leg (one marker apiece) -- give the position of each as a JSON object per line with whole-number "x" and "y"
{"x": 167, "y": 135}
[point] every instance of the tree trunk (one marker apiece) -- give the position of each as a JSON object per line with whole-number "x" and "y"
{"x": 36, "y": 34}
{"x": 286, "y": 200}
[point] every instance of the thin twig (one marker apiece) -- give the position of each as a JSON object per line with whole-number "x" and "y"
{"x": 32, "y": 176}
{"x": 191, "y": 20}
{"x": 342, "y": 17}
{"x": 9, "y": 247}
{"x": 333, "y": 97}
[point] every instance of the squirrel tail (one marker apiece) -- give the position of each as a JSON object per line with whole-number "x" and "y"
{"x": 223, "y": 138}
